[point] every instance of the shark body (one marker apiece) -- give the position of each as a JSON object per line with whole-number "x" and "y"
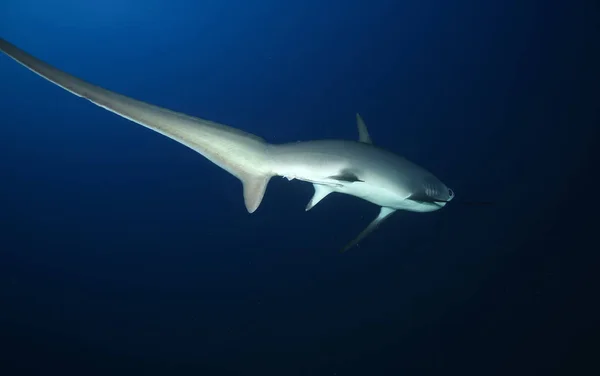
{"x": 356, "y": 168}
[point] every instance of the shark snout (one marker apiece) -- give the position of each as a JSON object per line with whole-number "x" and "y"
{"x": 450, "y": 194}
{"x": 431, "y": 190}
{"x": 439, "y": 192}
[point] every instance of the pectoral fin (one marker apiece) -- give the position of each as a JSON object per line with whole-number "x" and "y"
{"x": 321, "y": 191}
{"x": 346, "y": 176}
{"x": 384, "y": 213}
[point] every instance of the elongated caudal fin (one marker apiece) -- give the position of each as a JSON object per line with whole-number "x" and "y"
{"x": 242, "y": 154}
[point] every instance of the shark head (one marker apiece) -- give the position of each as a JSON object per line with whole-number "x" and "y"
{"x": 429, "y": 194}
{"x": 414, "y": 188}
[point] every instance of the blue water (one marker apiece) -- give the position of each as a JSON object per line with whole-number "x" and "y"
{"x": 123, "y": 252}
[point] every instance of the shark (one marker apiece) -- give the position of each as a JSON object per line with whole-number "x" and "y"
{"x": 353, "y": 167}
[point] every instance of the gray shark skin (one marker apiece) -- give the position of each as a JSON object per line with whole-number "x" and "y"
{"x": 356, "y": 168}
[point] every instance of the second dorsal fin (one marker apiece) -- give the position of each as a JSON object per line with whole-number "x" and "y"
{"x": 363, "y": 133}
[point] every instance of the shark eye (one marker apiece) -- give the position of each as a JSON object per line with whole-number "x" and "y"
{"x": 450, "y": 192}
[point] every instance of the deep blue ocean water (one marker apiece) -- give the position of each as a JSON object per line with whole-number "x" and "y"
{"x": 123, "y": 252}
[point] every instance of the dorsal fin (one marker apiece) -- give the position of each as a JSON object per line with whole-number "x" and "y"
{"x": 363, "y": 133}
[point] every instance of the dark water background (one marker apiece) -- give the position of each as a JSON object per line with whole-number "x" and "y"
{"x": 122, "y": 252}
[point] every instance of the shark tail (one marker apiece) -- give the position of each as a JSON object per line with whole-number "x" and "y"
{"x": 242, "y": 154}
